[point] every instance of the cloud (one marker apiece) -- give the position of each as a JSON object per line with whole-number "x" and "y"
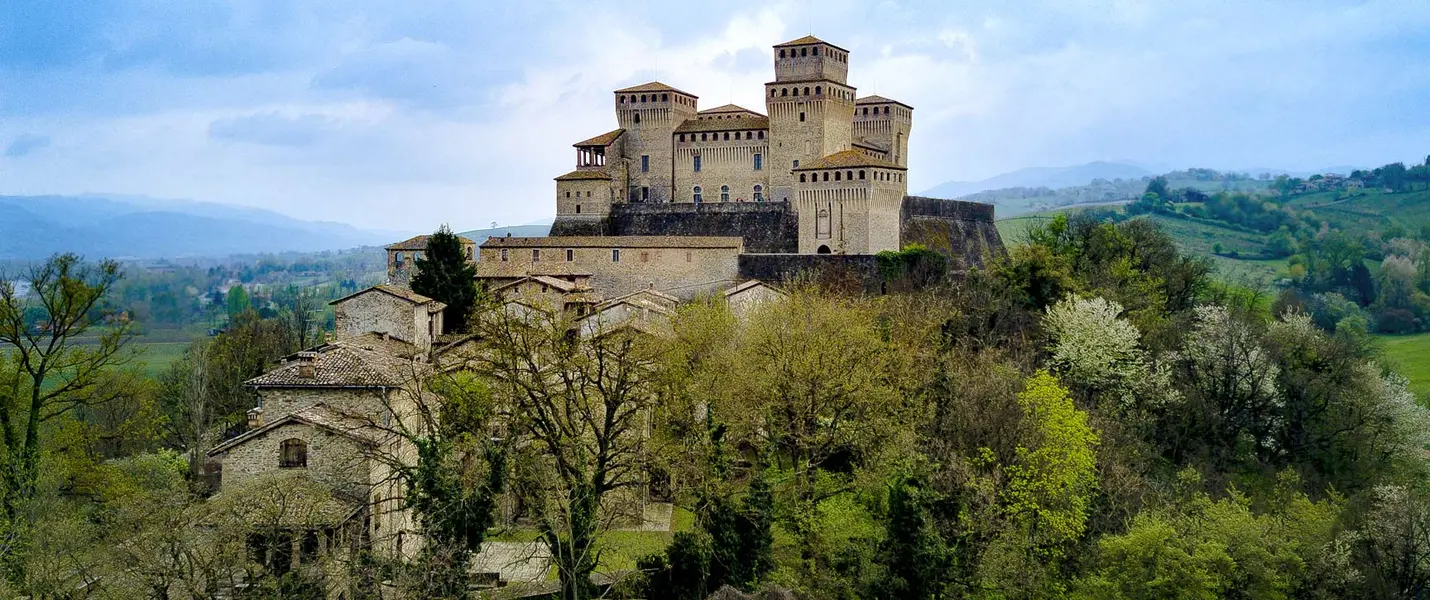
{"x": 274, "y": 129}
{"x": 25, "y": 145}
{"x": 412, "y": 114}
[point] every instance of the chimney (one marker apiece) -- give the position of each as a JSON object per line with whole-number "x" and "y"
{"x": 255, "y": 417}
{"x": 306, "y": 368}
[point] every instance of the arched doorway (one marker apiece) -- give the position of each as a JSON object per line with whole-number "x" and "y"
{"x": 822, "y": 250}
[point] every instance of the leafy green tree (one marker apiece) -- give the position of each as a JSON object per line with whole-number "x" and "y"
{"x": 446, "y": 274}
{"x": 1051, "y": 484}
{"x": 914, "y": 553}
{"x": 48, "y": 370}
{"x": 1158, "y": 186}
{"x": 236, "y": 301}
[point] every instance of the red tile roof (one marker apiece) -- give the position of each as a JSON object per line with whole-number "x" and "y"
{"x": 731, "y": 124}
{"x": 849, "y": 158}
{"x": 604, "y": 139}
{"x": 580, "y": 175}
{"x": 807, "y": 40}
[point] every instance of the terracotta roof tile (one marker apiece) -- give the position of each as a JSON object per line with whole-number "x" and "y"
{"x": 807, "y": 40}
{"x": 392, "y": 290}
{"x": 654, "y": 86}
{"x": 849, "y": 158}
{"x": 419, "y": 242}
{"x": 728, "y": 108}
{"x": 338, "y": 365}
{"x": 582, "y": 175}
{"x": 317, "y": 415}
{"x": 604, "y": 139}
{"x": 880, "y": 100}
{"x": 870, "y": 145}
{"x": 732, "y": 124}
{"x": 615, "y": 241}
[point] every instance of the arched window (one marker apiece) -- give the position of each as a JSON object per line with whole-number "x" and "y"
{"x": 816, "y": 90}
{"x": 682, "y": 137}
{"x": 724, "y": 193}
{"x": 847, "y": 175}
{"x": 759, "y": 193}
{"x": 772, "y": 92}
{"x": 826, "y": 175}
{"x": 801, "y": 177}
{"x": 697, "y": 195}
{"x": 784, "y": 92}
{"x": 861, "y": 173}
{"x": 293, "y": 454}
{"x": 806, "y": 91}
{"x": 866, "y": 111}
{"x": 804, "y": 51}
{"x": 836, "y": 175}
{"x": 664, "y": 97}
{"x": 621, "y": 99}
{"x": 814, "y": 51}
{"x": 782, "y": 53}
{"x": 727, "y": 136}
{"x": 762, "y": 135}
{"x": 702, "y": 136}
{"x": 821, "y": 225}
{"x": 638, "y": 117}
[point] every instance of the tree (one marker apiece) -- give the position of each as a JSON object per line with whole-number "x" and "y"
{"x": 236, "y": 301}
{"x": 48, "y": 373}
{"x": 445, "y": 273}
{"x": 1158, "y": 186}
{"x": 583, "y": 403}
{"x": 914, "y": 553}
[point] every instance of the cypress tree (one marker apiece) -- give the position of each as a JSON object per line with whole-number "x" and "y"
{"x": 444, "y": 274}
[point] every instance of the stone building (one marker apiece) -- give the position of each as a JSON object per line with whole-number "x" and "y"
{"x": 615, "y": 265}
{"x": 402, "y": 257}
{"x": 394, "y": 312}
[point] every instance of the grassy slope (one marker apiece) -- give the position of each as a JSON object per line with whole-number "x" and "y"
{"x": 1409, "y": 355}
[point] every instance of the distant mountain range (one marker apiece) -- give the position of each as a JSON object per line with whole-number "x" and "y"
{"x": 1048, "y": 177}
{"x": 129, "y": 227}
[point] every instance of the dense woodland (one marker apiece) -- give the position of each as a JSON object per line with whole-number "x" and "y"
{"x": 1093, "y": 416}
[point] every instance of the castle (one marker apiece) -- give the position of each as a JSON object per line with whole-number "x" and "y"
{"x": 674, "y": 204}
{"x": 692, "y": 201}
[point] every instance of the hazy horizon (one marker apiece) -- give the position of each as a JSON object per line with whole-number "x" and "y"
{"x": 403, "y": 117}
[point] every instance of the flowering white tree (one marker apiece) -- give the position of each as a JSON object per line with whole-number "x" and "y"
{"x": 1093, "y": 347}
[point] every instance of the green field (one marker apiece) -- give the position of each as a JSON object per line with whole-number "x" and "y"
{"x": 1409, "y": 355}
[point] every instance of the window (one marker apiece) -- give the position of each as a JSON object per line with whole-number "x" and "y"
{"x": 836, "y": 175}
{"x": 588, "y": 193}
{"x": 816, "y": 90}
{"x": 638, "y": 117}
{"x": 815, "y": 51}
{"x": 727, "y": 136}
{"x": 724, "y": 193}
{"x": 642, "y": 97}
{"x": 645, "y": 163}
{"x": 536, "y": 255}
{"x": 796, "y": 164}
{"x": 749, "y": 135}
{"x": 801, "y": 117}
{"x": 861, "y": 174}
{"x": 703, "y": 136}
{"x": 784, "y": 92}
{"x": 761, "y": 135}
{"x": 568, "y": 194}
{"x": 849, "y": 175}
{"x": 759, "y": 161}
{"x": 578, "y": 209}
{"x": 866, "y": 111}
{"x": 697, "y": 194}
{"x": 645, "y": 193}
{"x": 570, "y": 255}
{"x": 293, "y": 454}
{"x": 826, "y": 175}
{"x": 801, "y": 177}
{"x": 689, "y": 256}
{"x": 821, "y": 224}
{"x": 697, "y": 162}
{"x": 615, "y": 255}
{"x": 399, "y": 259}
{"x": 782, "y": 53}
{"x": 503, "y": 254}
{"x": 682, "y": 137}
{"x": 806, "y": 91}
{"x": 664, "y": 97}
{"x": 759, "y": 193}
{"x": 804, "y": 51}
{"x": 645, "y": 257}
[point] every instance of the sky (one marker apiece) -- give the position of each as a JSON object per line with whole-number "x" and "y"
{"x": 406, "y": 115}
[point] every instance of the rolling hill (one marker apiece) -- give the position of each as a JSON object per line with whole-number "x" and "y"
{"x": 125, "y": 227}
{"x": 1041, "y": 177}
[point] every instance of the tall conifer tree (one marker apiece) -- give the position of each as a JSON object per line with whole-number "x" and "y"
{"x": 444, "y": 274}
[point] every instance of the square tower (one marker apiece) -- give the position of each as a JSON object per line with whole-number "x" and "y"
{"x": 849, "y": 203}
{"x": 810, "y": 106}
{"x": 885, "y": 124}
{"x": 649, "y": 114}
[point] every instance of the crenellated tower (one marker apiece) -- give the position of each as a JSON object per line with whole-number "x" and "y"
{"x": 810, "y": 106}
{"x": 649, "y": 114}
{"x": 882, "y": 124}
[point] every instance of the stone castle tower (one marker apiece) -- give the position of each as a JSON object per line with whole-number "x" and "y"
{"x": 832, "y": 161}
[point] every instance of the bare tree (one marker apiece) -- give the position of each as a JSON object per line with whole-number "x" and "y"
{"x": 583, "y": 405}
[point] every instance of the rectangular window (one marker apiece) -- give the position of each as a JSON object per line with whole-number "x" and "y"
{"x": 796, "y": 164}
{"x": 645, "y": 194}
{"x": 697, "y": 163}
{"x": 645, "y": 257}
{"x": 503, "y": 254}
{"x": 615, "y": 255}
{"x": 645, "y": 163}
{"x": 689, "y": 256}
{"x": 570, "y": 255}
{"x": 759, "y": 161}
{"x": 535, "y": 255}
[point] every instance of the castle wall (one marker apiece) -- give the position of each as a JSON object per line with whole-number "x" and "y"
{"x": 723, "y": 162}
{"x": 848, "y": 272}
{"x": 667, "y": 264}
{"x": 585, "y": 196}
{"x": 963, "y": 231}
{"x": 766, "y": 227}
